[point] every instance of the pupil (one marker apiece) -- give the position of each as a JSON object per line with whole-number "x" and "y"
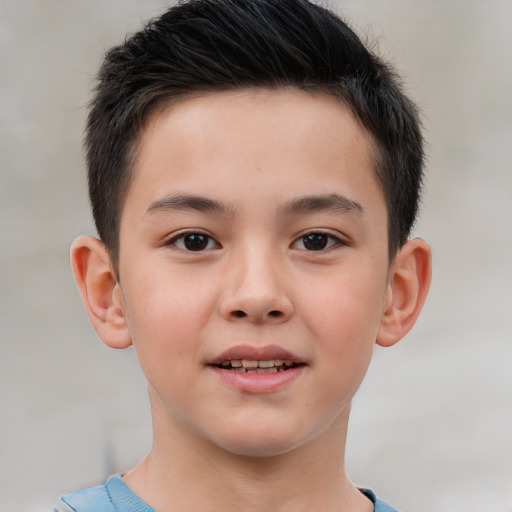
{"x": 315, "y": 241}
{"x": 195, "y": 242}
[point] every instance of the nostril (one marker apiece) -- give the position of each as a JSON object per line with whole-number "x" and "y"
{"x": 239, "y": 313}
{"x": 275, "y": 313}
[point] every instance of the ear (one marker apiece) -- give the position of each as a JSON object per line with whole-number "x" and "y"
{"x": 100, "y": 290}
{"x": 409, "y": 281}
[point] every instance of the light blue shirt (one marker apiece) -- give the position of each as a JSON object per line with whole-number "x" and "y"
{"x": 115, "y": 496}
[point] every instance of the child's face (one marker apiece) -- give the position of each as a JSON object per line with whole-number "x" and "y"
{"x": 254, "y": 229}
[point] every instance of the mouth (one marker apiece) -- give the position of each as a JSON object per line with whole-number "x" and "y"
{"x": 257, "y": 366}
{"x": 258, "y": 369}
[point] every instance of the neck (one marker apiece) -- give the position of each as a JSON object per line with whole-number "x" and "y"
{"x": 186, "y": 472}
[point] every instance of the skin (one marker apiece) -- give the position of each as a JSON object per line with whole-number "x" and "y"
{"x": 252, "y": 157}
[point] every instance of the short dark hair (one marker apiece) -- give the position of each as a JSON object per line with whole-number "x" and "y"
{"x": 201, "y": 46}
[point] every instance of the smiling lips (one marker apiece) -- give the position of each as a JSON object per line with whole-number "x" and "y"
{"x": 248, "y": 357}
{"x": 253, "y": 366}
{"x": 257, "y": 369}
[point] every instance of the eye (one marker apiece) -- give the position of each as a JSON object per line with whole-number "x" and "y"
{"x": 193, "y": 241}
{"x": 317, "y": 241}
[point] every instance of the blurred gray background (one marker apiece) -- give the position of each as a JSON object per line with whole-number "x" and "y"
{"x": 432, "y": 425}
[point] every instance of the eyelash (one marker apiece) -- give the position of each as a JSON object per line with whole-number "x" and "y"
{"x": 180, "y": 237}
{"x": 207, "y": 240}
{"x": 331, "y": 241}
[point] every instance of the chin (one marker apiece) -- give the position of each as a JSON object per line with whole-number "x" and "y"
{"x": 258, "y": 449}
{"x": 259, "y": 442}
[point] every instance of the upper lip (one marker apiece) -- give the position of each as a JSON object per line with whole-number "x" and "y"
{"x": 251, "y": 353}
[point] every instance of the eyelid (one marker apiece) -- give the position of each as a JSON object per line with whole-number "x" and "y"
{"x": 172, "y": 239}
{"x": 338, "y": 238}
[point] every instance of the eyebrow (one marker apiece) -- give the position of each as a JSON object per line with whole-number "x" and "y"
{"x": 187, "y": 202}
{"x": 335, "y": 203}
{"x": 307, "y": 204}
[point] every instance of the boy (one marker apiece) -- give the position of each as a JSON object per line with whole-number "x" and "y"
{"x": 254, "y": 174}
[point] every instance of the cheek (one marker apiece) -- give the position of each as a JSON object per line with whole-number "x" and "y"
{"x": 344, "y": 316}
{"x": 166, "y": 301}
{"x": 347, "y": 307}
{"x": 166, "y": 318}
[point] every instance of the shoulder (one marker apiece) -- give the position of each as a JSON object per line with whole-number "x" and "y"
{"x": 380, "y": 506}
{"x": 113, "y": 496}
{"x": 94, "y": 499}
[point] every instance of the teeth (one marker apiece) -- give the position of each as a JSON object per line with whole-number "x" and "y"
{"x": 271, "y": 363}
{"x": 253, "y": 365}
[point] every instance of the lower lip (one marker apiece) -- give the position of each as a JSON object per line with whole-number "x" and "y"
{"x": 258, "y": 382}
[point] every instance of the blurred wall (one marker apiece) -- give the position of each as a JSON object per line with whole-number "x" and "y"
{"x": 431, "y": 427}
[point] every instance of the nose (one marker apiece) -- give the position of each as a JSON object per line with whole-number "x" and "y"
{"x": 255, "y": 289}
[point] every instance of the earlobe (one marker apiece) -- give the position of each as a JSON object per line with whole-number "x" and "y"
{"x": 408, "y": 286}
{"x": 100, "y": 291}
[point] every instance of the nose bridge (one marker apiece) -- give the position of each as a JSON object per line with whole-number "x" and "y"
{"x": 255, "y": 284}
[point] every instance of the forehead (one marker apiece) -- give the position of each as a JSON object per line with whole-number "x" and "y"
{"x": 278, "y": 142}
